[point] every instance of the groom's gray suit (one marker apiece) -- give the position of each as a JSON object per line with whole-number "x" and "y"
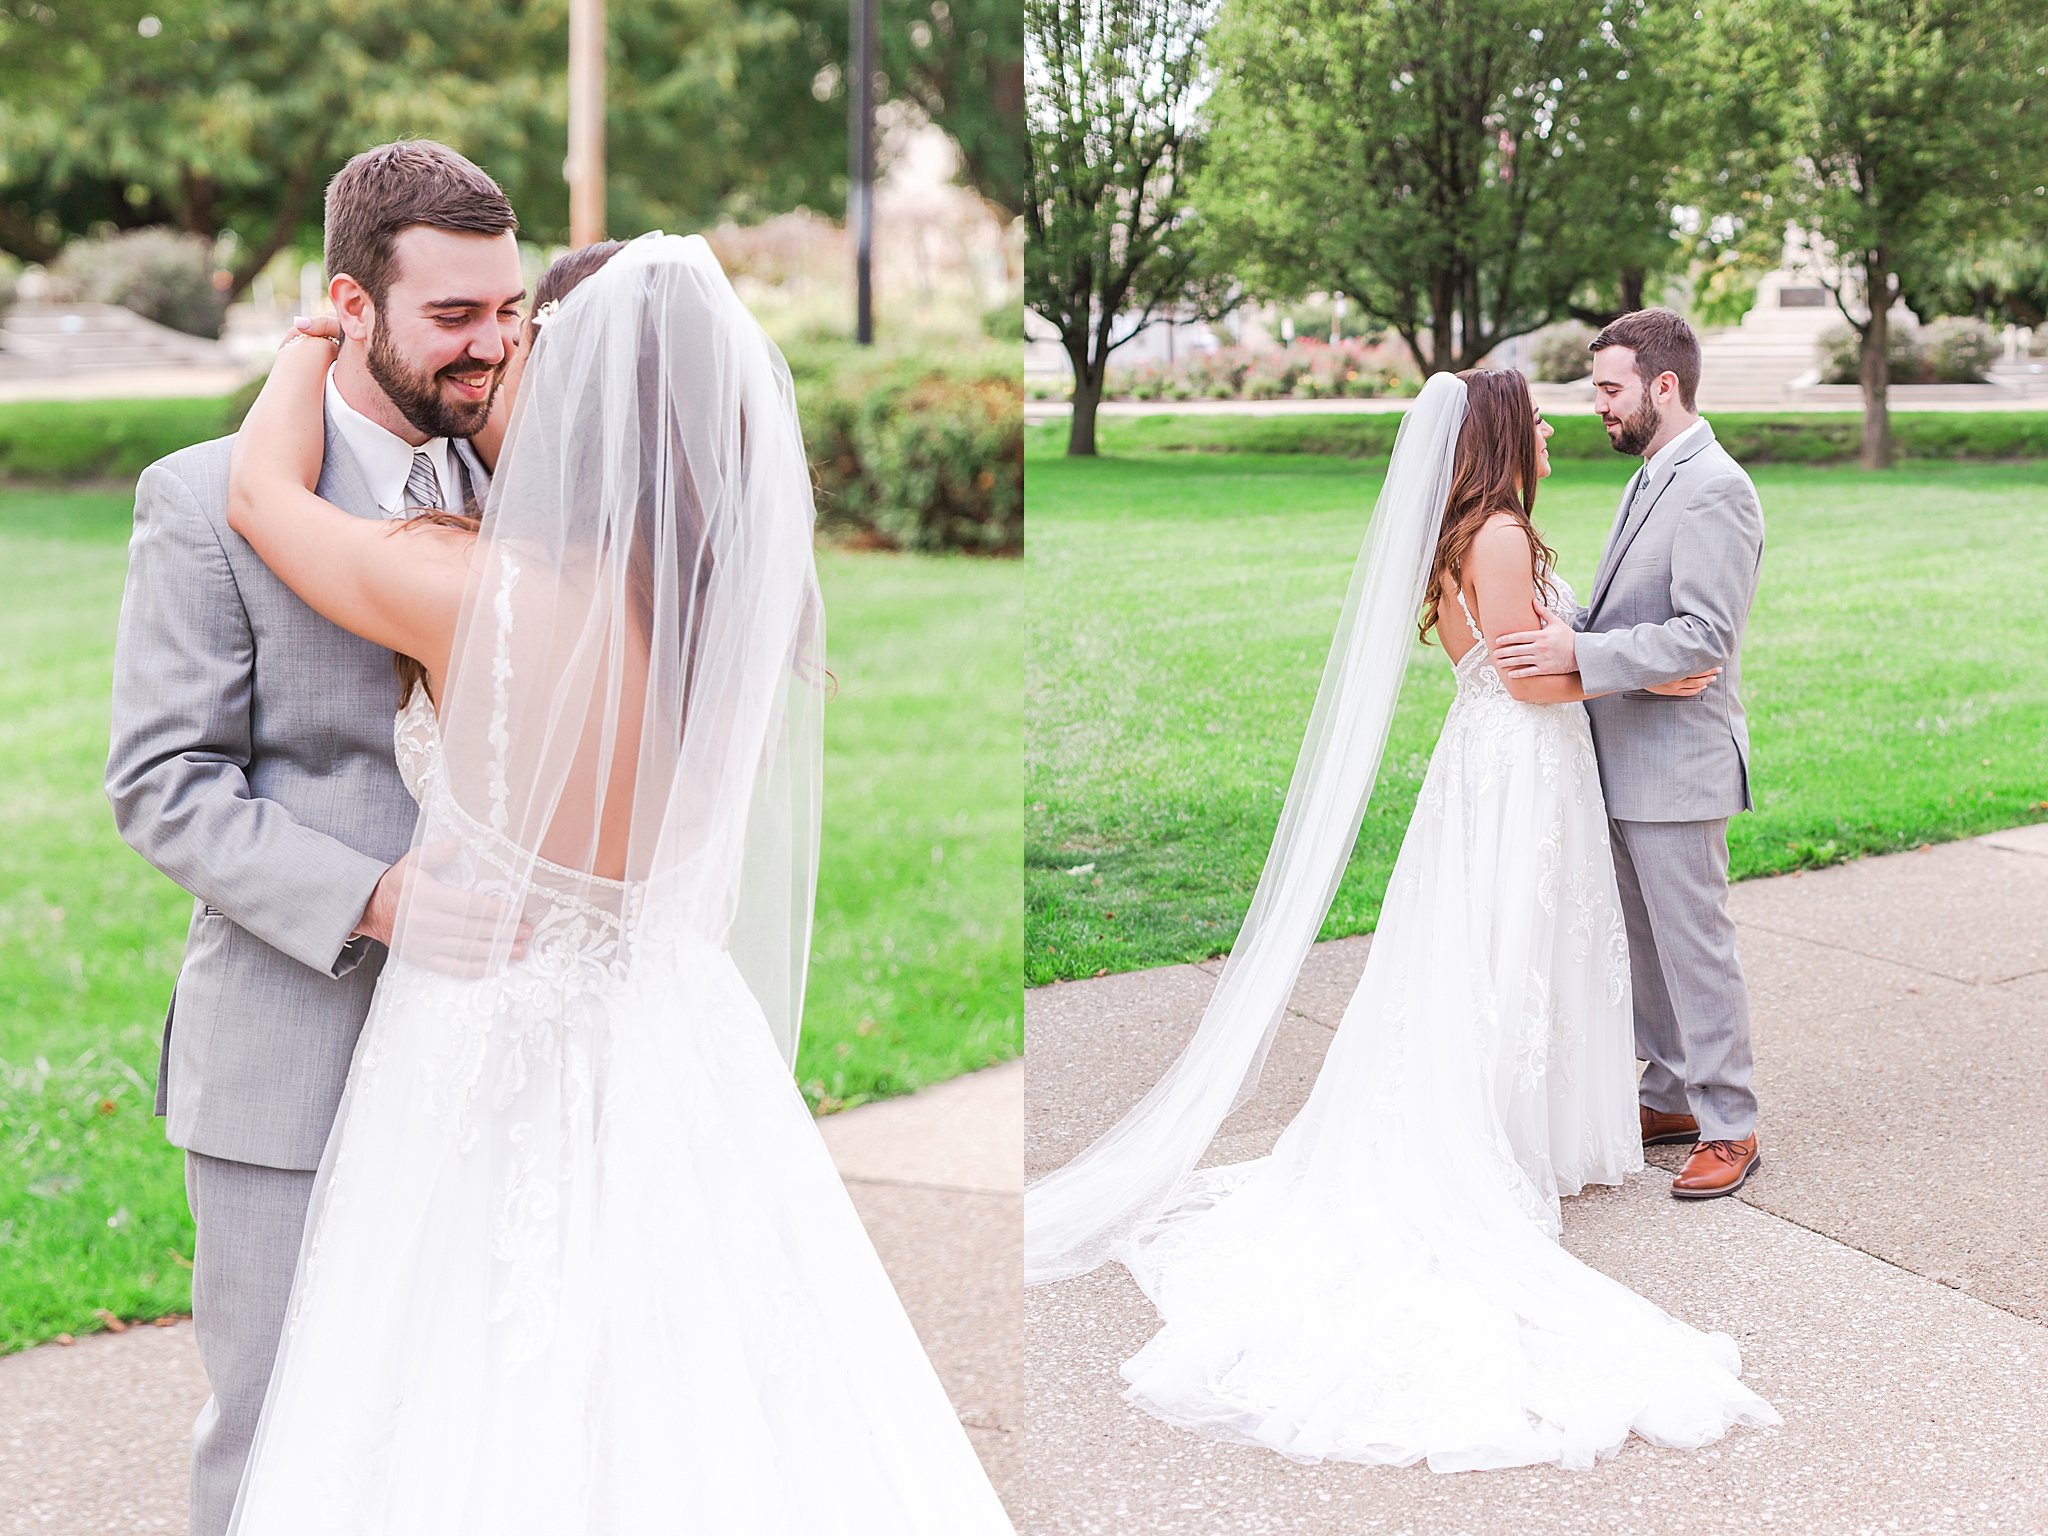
{"x": 1672, "y": 597}
{"x": 251, "y": 762}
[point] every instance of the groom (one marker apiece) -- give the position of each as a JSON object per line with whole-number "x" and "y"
{"x": 1671, "y": 598}
{"x": 252, "y": 756}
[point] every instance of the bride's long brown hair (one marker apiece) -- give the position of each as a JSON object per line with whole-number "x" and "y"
{"x": 555, "y": 283}
{"x": 1494, "y": 471}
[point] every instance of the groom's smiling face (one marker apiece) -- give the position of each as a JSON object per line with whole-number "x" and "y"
{"x": 448, "y": 325}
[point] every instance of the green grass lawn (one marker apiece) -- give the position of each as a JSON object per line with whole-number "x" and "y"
{"x": 1895, "y": 673}
{"x": 914, "y": 980}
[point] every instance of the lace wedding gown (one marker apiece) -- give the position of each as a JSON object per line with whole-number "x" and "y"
{"x": 606, "y": 1280}
{"x": 1387, "y": 1284}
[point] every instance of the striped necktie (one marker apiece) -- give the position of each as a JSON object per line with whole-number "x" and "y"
{"x": 423, "y": 486}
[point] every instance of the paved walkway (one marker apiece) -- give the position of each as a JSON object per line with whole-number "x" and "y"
{"x": 1886, "y": 1272}
{"x": 1556, "y": 401}
{"x": 93, "y": 1436}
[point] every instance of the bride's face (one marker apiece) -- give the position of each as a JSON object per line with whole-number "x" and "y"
{"x": 1543, "y": 431}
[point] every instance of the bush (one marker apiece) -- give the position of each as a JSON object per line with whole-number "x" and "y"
{"x": 1960, "y": 351}
{"x": 1752, "y": 437}
{"x": 913, "y": 451}
{"x": 70, "y": 440}
{"x": 1005, "y": 322}
{"x": 1841, "y": 351}
{"x": 160, "y": 274}
{"x": 10, "y": 283}
{"x": 1558, "y": 355}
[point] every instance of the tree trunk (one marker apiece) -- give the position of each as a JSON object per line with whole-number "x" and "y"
{"x": 1443, "y": 307}
{"x": 1631, "y": 290}
{"x": 1876, "y": 364}
{"x": 1087, "y": 396}
{"x": 291, "y": 208}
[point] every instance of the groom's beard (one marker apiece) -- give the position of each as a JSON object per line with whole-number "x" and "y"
{"x": 1640, "y": 430}
{"x": 417, "y": 394}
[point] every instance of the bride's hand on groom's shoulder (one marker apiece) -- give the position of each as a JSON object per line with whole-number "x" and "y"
{"x": 319, "y": 327}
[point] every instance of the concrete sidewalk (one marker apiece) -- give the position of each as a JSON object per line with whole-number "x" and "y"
{"x": 1886, "y": 1272}
{"x": 93, "y": 1437}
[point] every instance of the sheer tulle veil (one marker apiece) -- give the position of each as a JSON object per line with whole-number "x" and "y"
{"x": 1078, "y": 1216}
{"x": 633, "y": 706}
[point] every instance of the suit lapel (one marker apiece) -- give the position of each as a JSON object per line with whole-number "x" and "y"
{"x": 341, "y": 477}
{"x": 1646, "y": 503}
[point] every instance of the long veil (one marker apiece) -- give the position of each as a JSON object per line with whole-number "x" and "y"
{"x": 1077, "y": 1217}
{"x": 632, "y": 712}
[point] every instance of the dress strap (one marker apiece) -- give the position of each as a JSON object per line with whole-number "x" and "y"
{"x": 1470, "y": 623}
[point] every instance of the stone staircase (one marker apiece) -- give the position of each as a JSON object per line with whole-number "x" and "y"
{"x": 50, "y": 340}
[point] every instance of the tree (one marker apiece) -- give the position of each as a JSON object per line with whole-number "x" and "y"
{"x": 1913, "y": 129}
{"x": 2004, "y": 282}
{"x": 1468, "y": 170}
{"x": 1111, "y": 139}
{"x": 228, "y": 117}
{"x": 962, "y": 63}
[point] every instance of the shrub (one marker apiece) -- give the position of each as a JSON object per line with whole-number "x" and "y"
{"x": 1005, "y": 322}
{"x": 1841, "y": 350}
{"x": 1557, "y": 353}
{"x": 1960, "y": 351}
{"x": 10, "y": 283}
{"x": 914, "y": 451}
{"x": 160, "y": 274}
{"x": 72, "y": 440}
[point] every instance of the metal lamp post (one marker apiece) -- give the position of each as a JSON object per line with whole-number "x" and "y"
{"x": 860, "y": 196}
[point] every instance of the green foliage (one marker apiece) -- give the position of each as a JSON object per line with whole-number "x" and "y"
{"x": 160, "y": 274}
{"x": 64, "y": 441}
{"x": 1005, "y": 322}
{"x": 1167, "y": 694}
{"x": 1841, "y": 355}
{"x": 2003, "y": 281}
{"x": 1919, "y": 129}
{"x": 1468, "y": 173}
{"x": 962, "y": 62}
{"x": 915, "y": 451}
{"x": 914, "y": 970}
{"x": 1313, "y": 317}
{"x": 1557, "y": 354}
{"x": 1960, "y": 350}
{"x": 1111, "y": 244}
{"x": 1753, "y": 438}
{"x": 10, "y": 281}
{"x": 230, "y": 117}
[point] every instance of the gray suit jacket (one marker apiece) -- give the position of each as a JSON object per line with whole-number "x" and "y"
{"x": 1672, "y": 598}
{"x": 251, "y": 761}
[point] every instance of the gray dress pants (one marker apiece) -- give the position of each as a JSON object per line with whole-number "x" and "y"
{"x": 251, "y": 1220}
{"x": 1691, "y": 1004}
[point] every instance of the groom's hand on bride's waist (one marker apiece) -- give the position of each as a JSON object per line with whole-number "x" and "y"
{"x": 459, "y": 932}
{"x": 1546, "y": 652}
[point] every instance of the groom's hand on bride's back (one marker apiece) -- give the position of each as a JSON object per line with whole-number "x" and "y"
{"x": 459, "y": 932}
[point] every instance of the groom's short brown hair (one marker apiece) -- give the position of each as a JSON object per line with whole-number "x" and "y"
{"x": 1662, "y": 343}
{"x": 395, "y": 186}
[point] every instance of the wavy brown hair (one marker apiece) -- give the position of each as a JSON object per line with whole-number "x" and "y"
{"x": 1494, "y": 471}
{"x": 555, "y": 283}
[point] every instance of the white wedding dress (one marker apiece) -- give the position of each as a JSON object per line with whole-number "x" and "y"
{"x": 577, "y": 1262}
{"x": 580, "y": 1264}
{"x": 1387, "y": 1285}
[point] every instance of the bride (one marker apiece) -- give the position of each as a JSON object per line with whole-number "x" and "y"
{"x": 1386, "y": 1285}
{"x": 577, "y": 1262}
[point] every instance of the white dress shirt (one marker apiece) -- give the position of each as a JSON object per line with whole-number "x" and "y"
{"x": 386, "y": 458}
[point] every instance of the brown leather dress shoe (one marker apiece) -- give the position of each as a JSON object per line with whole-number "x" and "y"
{"x": 1662, "y": 1130}
{"x": 1717, "y": 1168}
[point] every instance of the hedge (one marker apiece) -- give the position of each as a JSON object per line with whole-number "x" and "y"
{"x": 910, "y": 450}
{"x": 1752, "y": 437}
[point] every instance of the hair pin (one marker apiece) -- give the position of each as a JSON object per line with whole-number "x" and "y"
{"x": 545, "y": 313}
